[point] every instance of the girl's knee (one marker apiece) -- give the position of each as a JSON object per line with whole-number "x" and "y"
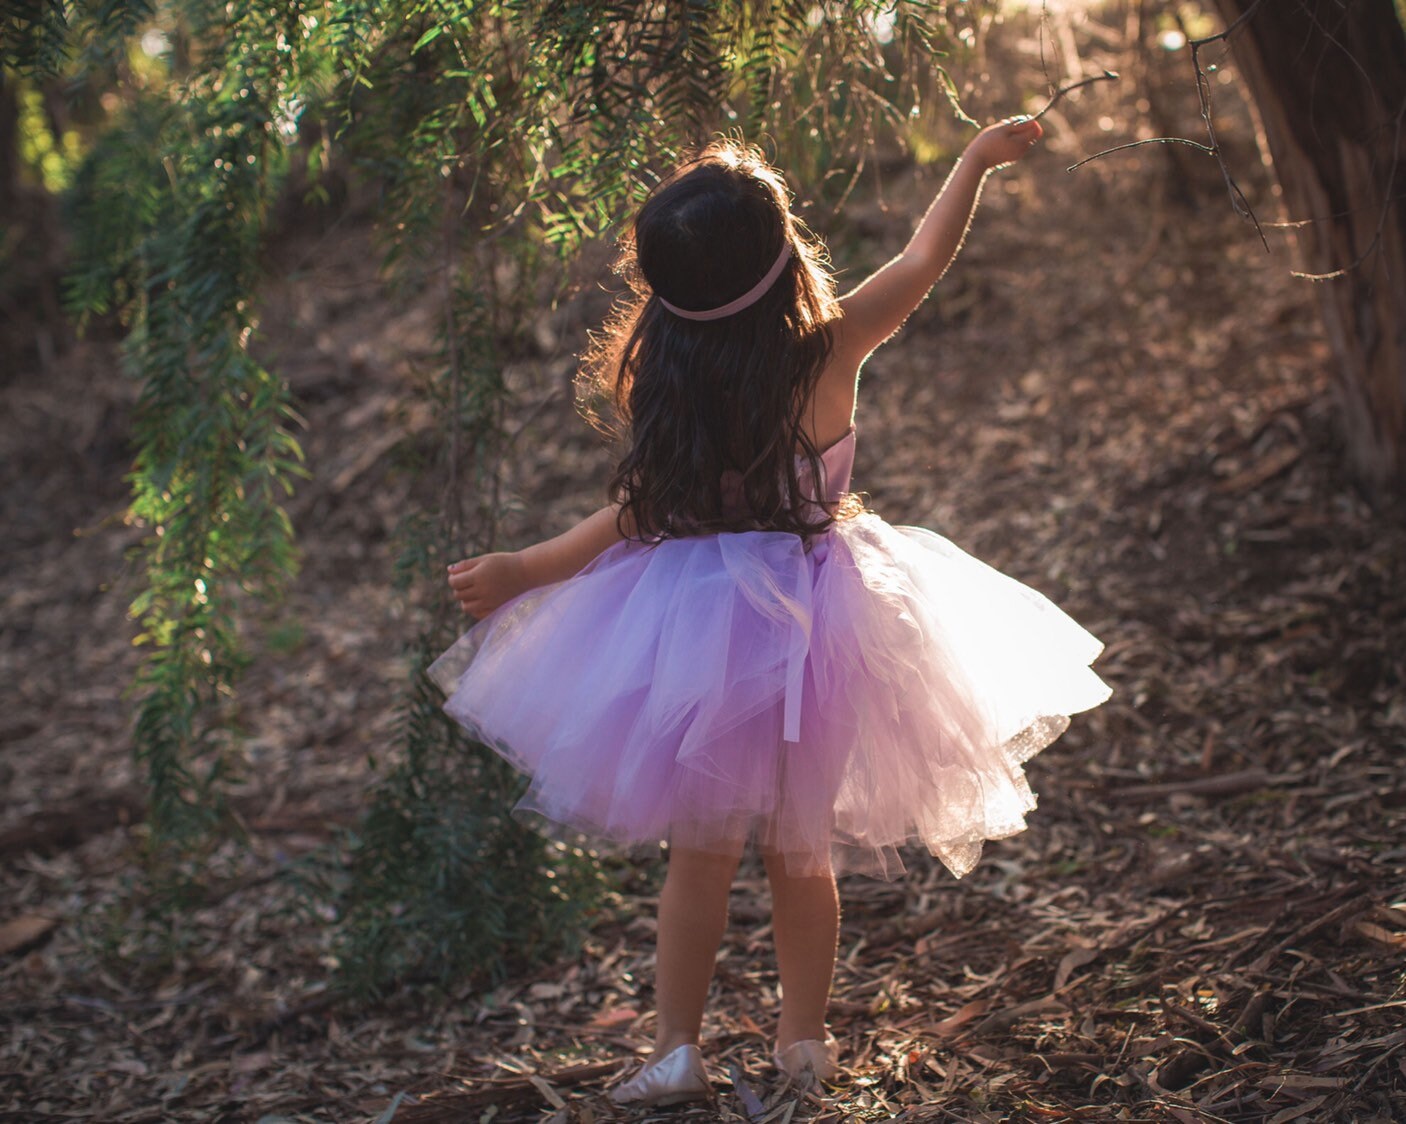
{"x": 687, "y": 860}
{"x": 781, "y": 868}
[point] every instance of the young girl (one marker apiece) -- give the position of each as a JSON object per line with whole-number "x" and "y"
{"x": 733, "y": 649}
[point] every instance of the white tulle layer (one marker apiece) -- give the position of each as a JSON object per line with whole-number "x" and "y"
{"x": 652, "y": 696}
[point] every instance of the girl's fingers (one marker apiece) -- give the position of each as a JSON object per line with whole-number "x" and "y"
{"x": 475, "y": 597}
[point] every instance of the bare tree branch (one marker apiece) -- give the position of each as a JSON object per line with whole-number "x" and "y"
{"x": 1203, "y": 94}
{"x": 1106, "y": 76}
{"x": 1138, "y": 144}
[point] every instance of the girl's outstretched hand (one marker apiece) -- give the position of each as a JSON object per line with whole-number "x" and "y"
{"x": 481, "y": 584}
{"x": 1004, "y": 142}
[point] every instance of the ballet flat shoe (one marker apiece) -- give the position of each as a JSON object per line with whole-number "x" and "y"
{"x": 809, "y": 1060}
{"x": 676, "y": 1077}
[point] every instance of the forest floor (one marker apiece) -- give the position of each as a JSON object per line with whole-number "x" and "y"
{"x": 1116, "y": 397}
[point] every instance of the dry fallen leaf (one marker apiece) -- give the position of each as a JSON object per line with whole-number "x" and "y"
{"x": 23, "y": 933}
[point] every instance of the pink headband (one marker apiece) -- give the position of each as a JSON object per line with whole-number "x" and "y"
{"x": 750, "y": 297}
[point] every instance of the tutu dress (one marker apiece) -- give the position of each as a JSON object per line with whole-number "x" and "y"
{"x": 832, "y": 701}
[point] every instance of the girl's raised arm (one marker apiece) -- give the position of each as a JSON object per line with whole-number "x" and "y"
{"x": 880, "y": 304}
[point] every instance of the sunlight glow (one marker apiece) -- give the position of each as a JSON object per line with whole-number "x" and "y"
{"x": 881, "y": 26}
{"x": 155, "y": 43}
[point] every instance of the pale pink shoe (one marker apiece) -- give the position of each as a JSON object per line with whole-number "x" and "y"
{"x": 676, "y": 1077}
{"x": 809, "y": 1060}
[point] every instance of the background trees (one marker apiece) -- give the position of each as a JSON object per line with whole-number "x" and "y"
{"x": 1330, "y": 83}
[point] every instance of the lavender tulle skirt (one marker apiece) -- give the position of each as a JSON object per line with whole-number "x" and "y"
{"x": 833, "y": 705}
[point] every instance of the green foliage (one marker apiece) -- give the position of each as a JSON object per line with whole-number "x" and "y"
{"x": 39, "y": 35}
{"x": 169, "y": 214}
{"x": 501, "y": 137}
{"x": 558, "y": 115}
{"x": 444, "y": 884}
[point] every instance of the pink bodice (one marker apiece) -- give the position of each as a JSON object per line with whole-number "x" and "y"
{"x": 836, "y": 461}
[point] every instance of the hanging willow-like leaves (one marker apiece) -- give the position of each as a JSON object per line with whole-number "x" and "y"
{"x": 498, "y": 134}
{"x": 170, "y": 208}
{"x": 40, "y": 35}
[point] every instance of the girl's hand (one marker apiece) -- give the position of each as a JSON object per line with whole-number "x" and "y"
{"x": 1004, "y": 142}
{"x": 481, "y": 584}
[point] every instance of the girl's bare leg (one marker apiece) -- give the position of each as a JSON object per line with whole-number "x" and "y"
{"x": 692, "y": 919}
{"x": 806, "y": 926}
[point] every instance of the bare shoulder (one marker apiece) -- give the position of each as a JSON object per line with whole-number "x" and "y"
{"x": 847, "y": 330}
{"x": 833, "y": 402}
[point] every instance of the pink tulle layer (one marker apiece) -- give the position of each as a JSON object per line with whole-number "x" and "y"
{"x": 833, "y": 705}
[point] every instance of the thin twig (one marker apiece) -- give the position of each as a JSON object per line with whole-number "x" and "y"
{"x": 1203, "y": 93}
{"x": 1044, "y": 23}
{"x": 1106, "y": 76}
{"x": 1314, "y": 220}
{"x": 1243, "y": 17}
{"x": 453, "y": 486}
{"x": 1138, "y": 144}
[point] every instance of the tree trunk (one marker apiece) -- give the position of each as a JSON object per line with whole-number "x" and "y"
{"x": 1329, "y": 78}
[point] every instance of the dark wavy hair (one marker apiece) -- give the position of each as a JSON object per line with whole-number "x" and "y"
{"x": 713, "y": 410}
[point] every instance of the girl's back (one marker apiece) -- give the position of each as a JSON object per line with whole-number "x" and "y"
{"x": 714, "y": 367}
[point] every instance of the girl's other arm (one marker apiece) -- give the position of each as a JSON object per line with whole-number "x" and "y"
{"x": 481, "y": 584}
{"x": 879, "y": 305}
